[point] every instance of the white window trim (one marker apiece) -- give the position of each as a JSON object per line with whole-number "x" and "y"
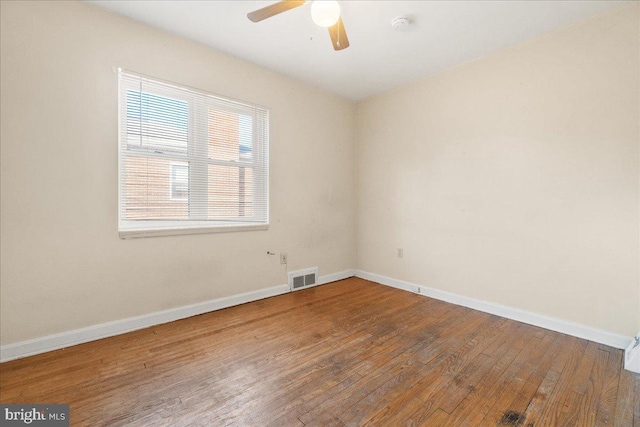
{"x": 171, "y": 230}
{"x": 130, "y": 229}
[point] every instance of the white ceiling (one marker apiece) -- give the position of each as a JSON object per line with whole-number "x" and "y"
{"x": 443, "y": 34}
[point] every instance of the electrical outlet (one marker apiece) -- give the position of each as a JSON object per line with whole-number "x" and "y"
{"x": 400, "y": 253}
{"x": 283, "y": 257}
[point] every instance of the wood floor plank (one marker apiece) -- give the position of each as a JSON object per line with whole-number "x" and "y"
{"x": 438, "y": 418}
{"x": 636, "y": 400}
{"x": 502, "y": 370}
{"x": 382, "y": 371}
{"x": 348, "y": 353}
{"x": 562, "y": 401}
{"x": 421, "y": 397}
{"x": 580, "y": 380}
{"x": 624, "y": 408}
{"x": 544, "y": 401}
{"x": 515, "y": 394}
{"x": 608, "y": 397}
{"x": 590, "y": 401}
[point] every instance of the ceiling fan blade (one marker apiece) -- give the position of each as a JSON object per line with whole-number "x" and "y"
{"x": 274, "y": 9}
{"x": 339, "y": 35}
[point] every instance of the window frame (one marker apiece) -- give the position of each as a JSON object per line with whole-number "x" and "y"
{"x": 198, "y": 156}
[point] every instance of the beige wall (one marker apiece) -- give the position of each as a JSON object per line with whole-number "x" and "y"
{"x": 63, "y": 265}
{"x": 514, "y": 179}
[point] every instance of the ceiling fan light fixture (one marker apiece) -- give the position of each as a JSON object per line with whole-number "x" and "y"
{"x": 325, "y": 13}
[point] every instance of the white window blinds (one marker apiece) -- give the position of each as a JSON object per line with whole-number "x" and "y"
{"x": 189, "y": 161}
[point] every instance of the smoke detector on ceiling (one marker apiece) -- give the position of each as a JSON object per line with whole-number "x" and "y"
{"x": 400, "y": 22}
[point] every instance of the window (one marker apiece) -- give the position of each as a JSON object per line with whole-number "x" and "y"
{"x": 189, "y": 161}
{"x": 180, "y": 182}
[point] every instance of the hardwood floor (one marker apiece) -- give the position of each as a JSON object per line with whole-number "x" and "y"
{"x": 348, "y": 353}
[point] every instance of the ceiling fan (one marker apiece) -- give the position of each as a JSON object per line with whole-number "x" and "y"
{"x": 325, "y": 13}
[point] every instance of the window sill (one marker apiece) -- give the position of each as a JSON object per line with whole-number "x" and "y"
{"x": 159, "y": 232}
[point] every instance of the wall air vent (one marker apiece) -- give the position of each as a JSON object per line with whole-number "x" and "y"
{"x": 301, "y": 279}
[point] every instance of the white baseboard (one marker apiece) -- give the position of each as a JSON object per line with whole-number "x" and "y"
{"x": 67, "y": 339}
{"x": 551, "y": 323}
{"x": 632, "y": 355}
{"x": 341, "y": 275}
